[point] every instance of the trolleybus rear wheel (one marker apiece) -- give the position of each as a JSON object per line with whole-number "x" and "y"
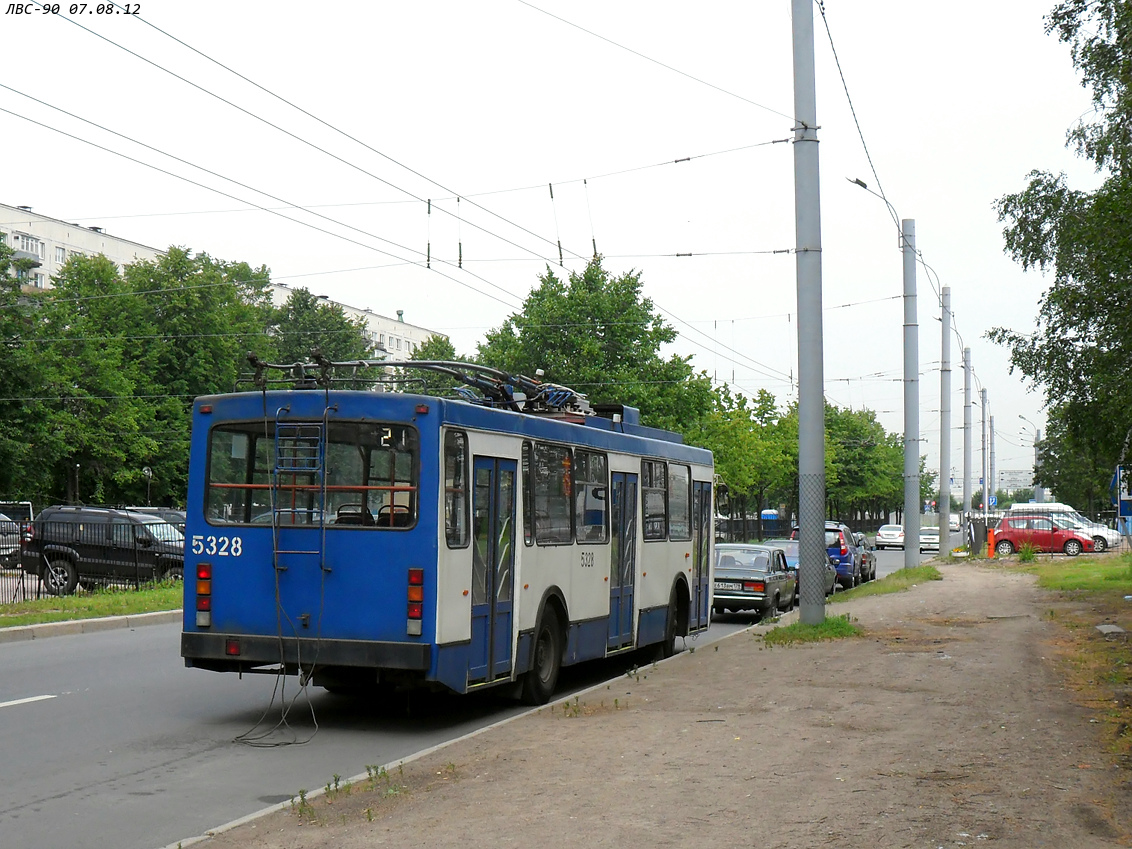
{"x": 539, "y": 684}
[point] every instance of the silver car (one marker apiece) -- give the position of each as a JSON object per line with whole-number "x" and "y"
{"x": 890, "y": 536}
{"x": 929, "y": 539}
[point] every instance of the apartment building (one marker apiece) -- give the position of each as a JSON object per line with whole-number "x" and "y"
{"x": 50, "y": 242}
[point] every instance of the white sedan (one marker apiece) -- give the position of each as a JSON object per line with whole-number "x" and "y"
{"x": 890, "y": 536}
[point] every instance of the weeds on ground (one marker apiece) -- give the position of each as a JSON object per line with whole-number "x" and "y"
{"x": 1027, "y": 552}
{"x": 832, "y": 628}
{"x": 897, "y": 582}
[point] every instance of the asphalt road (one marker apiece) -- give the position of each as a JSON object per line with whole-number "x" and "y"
{"x": 108, "y": 740}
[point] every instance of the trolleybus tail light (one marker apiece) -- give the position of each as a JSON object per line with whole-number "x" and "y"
{"x": 232, "y": 647}
{"x": 204, "y": 596}
{"x": 422, "y": 409}
{"x": 206, "y": 408}
{"x": 416, "y": 602}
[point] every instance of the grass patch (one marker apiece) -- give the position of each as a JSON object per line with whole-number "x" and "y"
{"x": 832, "y": 628}
{"x": 109, "y": 601}
{"x": 897, "y": 582}
{"x": 1105, "y": 575}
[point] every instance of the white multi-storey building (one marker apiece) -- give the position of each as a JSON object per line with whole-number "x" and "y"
{"x": 50, "y": 242}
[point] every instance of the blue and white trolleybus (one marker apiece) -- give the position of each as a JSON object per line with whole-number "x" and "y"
{"x": 359, "y": 537}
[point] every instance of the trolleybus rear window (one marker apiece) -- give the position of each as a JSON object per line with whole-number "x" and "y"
{"x": 357, "y": 474}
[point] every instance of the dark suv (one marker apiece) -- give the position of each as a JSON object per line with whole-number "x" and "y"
{"x": 844, "y": 553}
{"x": 99, "y": 544}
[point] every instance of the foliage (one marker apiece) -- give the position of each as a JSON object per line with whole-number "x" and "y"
{"x": 439, "y": 349}
{"x": 306, "y": 323}
{"x": 1080, "y": 353}
{"x": 102, "y": 369}
{"x": 596, "y": 333}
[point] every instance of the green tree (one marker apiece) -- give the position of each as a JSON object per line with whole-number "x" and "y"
{"x": 24, "y": 474}
{"x": 97, "y": 425}
{"x": 199, "y": 317}
{"x": 306, "y": 323}
{"x": 438, "y": 349}
{"x": 597, "y": 334}
{"x": 1080, "y": 353}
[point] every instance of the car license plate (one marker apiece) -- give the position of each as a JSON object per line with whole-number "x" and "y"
{"x": 728, "y": 585}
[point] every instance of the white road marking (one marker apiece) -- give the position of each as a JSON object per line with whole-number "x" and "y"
{"x": 15, "y": 702}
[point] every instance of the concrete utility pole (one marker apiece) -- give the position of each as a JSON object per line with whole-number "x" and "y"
{"x": 984, "y": 470}
{"x": 811, "y": 372}
{"x": 911, "y": 401}
{"x": 945, "y": 424}
{"x": 1039, "y": 493}
{"x": 993, "y": 474}
{"x": 967, "y": 439}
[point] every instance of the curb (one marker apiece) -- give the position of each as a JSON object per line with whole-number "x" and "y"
{"x": 23, "y": 633}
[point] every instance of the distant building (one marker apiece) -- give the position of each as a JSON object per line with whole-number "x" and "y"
{"x": 50, "y": 242}
{"x": 391, "y": 336}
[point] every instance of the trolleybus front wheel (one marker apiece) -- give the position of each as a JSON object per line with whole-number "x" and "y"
{"x": 539, "y": 684}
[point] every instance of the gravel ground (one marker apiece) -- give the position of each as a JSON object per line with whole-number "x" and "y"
{"x": 948, "y": 724}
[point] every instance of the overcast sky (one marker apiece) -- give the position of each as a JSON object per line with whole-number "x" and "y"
{"x": 494, "y": 101}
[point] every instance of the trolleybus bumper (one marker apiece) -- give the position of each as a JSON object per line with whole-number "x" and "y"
{"x": 242, "y": 652}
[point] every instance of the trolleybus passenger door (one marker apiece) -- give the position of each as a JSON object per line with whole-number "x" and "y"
{"x": 701, "y": 554}
{"x": 493, "y": 562}
{"x": 623, "y": 559}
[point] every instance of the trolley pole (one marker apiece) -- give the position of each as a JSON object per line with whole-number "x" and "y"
{"x": 911, "y": 401}
{"x": 812, "y": 555}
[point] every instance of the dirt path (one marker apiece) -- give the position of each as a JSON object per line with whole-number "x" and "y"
{"x": 947, "y": 725}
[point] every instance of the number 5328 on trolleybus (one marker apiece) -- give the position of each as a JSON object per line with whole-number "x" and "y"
{"x": 359, "y": 537}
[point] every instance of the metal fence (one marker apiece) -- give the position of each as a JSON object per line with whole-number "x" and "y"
{"x": 62, "y": 557}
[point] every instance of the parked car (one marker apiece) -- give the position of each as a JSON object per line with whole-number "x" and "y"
{"x": 1103, "y": 536}
{"x": 752, "y": 577}
{"x": 868, "y": 558}
{"x": 790, "y": 549}
{"x": 64, "y": 545}
{"x": 10, "y": 532}
{"x": 843, "y": 552}
{"x": 1043, "y": 532}
{"x": 929, "y": 539}
{"x": 174, "y": 517}
{"x": 890, "y": 536}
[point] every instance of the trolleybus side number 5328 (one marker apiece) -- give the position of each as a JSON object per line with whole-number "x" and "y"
{"x": 217, "y": 546}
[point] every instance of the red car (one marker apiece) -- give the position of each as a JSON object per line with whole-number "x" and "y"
{"x": 1043, "y": 532}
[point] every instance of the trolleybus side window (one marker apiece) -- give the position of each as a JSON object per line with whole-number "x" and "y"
{"x": 553, "y": 505}
{"x": 679, "y": 502}
{"x": 456, "y": 488}
{"x": 654, "y": 499}
{"x": 366, "y": 477}
{"x": 528, "y": 501}
{"x": 591, "y": 491}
